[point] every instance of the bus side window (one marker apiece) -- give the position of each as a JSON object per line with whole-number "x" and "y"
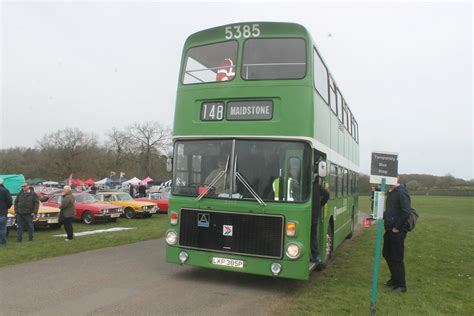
{"x": 333, "y": 184}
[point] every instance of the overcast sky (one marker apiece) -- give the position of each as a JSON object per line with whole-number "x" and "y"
{"x": 404, "y": 68}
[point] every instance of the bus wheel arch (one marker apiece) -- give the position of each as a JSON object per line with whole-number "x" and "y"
{"x": 353, "y": 219}
{"x": 329, "y": 240}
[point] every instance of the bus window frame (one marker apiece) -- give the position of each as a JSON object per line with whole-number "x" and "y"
{"x": 333, "y": 95}
{"x": 185, "y": 61}
{"x": 289, "y": 37}
{"x": 316, "y": 53}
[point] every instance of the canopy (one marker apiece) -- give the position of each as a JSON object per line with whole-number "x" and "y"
{"x": 50, "y": 183}
{"x": 89, "y": 181}
{"x": 134, "y": 181}
{"x": 146, "y": 180}
{"x": 13, "y": 182}
{"x": 78, "y": 181}
{"x": 104, "y": 181}
{"x": 35, "y": 181}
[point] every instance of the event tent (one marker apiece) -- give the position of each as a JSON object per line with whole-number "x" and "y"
{"x": 134, "y": 181}
{"x": 89, "y": 181}
{"x": 104, "y": 181}
{"x": 146, "y": 180}
{"x": 13, "y": 182}
{"x": 35, "y": 181}
{"x": 50, "y": 183}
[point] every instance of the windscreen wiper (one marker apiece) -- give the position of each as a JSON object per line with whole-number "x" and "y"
{"x": 247, "y": 186}
{"x": 214, "y": 181}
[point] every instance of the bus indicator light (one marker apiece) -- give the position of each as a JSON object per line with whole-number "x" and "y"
{"x": 291, "y": 229}
{"x": 174, "y": 218}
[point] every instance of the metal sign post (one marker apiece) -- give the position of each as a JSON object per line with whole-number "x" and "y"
{"x": 377, "y": 249}
{"x": 384, "y": 170}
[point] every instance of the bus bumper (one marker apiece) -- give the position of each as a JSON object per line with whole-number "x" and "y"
{"x": 291, "y": 269}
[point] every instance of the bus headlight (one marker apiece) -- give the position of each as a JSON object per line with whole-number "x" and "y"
{"x": 183, "y": 256}
{"x": 293, "y": 251}
{"x": 275, "y": 268}
{"x": 171, "y": 237}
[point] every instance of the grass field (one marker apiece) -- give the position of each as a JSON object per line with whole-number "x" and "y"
{"x": 45, "y": 245}
{"x": 439, "y": 263}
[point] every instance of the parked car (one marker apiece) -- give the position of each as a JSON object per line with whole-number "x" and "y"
{"x": 159, "y": 198}
{"x": 47, "y": 216}
{"x": 132, "y": 208}
{"x": 88, "y": 209}
{"x": 47, "y": 193}
{"x": 10, "y": 222}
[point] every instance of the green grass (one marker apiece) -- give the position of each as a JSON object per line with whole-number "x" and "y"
{"x": 45, "y": 245}
{"x": 439, "y": 263}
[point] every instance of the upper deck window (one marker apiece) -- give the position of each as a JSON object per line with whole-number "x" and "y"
{"x": 210, "y": 63}
{"x": 274, "y": 58}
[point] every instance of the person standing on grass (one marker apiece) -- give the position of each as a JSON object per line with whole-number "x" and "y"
{"x": 397, "y": 207}
{"x": 68, "y": 211}
{"x": 5, "y": 204}
{"x": 26, "y": 208}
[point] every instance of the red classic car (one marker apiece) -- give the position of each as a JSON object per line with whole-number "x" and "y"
{"x": 159, "y": 198}
{"x": 88, "y": 209}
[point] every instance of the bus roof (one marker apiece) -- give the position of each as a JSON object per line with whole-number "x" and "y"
{"x": 267, "y": 29}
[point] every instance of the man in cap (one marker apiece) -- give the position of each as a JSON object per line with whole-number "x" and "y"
{"x": 26, "y": 208}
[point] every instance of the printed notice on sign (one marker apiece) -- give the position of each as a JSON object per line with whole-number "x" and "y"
{"x": 249, "y": 110}
{"x": 384, "y": 165}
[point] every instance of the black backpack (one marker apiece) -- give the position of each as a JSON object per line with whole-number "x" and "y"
{"x": 412, "y": 218}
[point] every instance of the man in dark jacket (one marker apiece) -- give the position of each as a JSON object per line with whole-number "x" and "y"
{"x": 68, "y": 211}
{"x": 26, "y": 208}
{"x": 5, "y": 204}
{"x": 397, "y": 207}
{"x": 320, "y": 198}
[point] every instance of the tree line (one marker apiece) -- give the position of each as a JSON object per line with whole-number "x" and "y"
{"x": 425, "y": 183}
{"x": 137, "y": 150}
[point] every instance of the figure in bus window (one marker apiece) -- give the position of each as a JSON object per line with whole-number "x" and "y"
{"x": 288, "y": 188}
{"x": 226, "y": 70}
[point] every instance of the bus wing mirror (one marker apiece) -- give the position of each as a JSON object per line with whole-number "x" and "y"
{"x": 322, "y": 170}
{"x": 169, "y": 164}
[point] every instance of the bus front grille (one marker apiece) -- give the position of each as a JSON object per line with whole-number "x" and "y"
{"x": 248, "y": 234}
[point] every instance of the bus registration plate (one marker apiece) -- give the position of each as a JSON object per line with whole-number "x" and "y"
{"x": 228, "y": 262}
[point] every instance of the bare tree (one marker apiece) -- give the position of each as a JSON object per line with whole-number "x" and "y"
{"x": 150, "y": 140}
{"x": 119, "y": 142}
{"x": 67, "y": 150}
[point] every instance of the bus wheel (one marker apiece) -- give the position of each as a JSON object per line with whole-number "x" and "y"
{"x": 352, "y": 227}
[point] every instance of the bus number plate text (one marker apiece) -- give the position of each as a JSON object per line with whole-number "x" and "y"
{"x": 228, "y": 262}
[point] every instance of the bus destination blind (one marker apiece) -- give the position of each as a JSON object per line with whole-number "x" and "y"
{"x": 237, "y": 110}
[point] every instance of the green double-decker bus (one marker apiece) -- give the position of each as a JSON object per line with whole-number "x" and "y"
{"x": 260, "y": 124}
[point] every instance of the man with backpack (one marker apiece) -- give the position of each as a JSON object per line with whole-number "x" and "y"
{"x": 397, "y": 212}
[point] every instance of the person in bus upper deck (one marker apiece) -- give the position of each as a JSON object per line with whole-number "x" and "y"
{"x": 397, "y": 210}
